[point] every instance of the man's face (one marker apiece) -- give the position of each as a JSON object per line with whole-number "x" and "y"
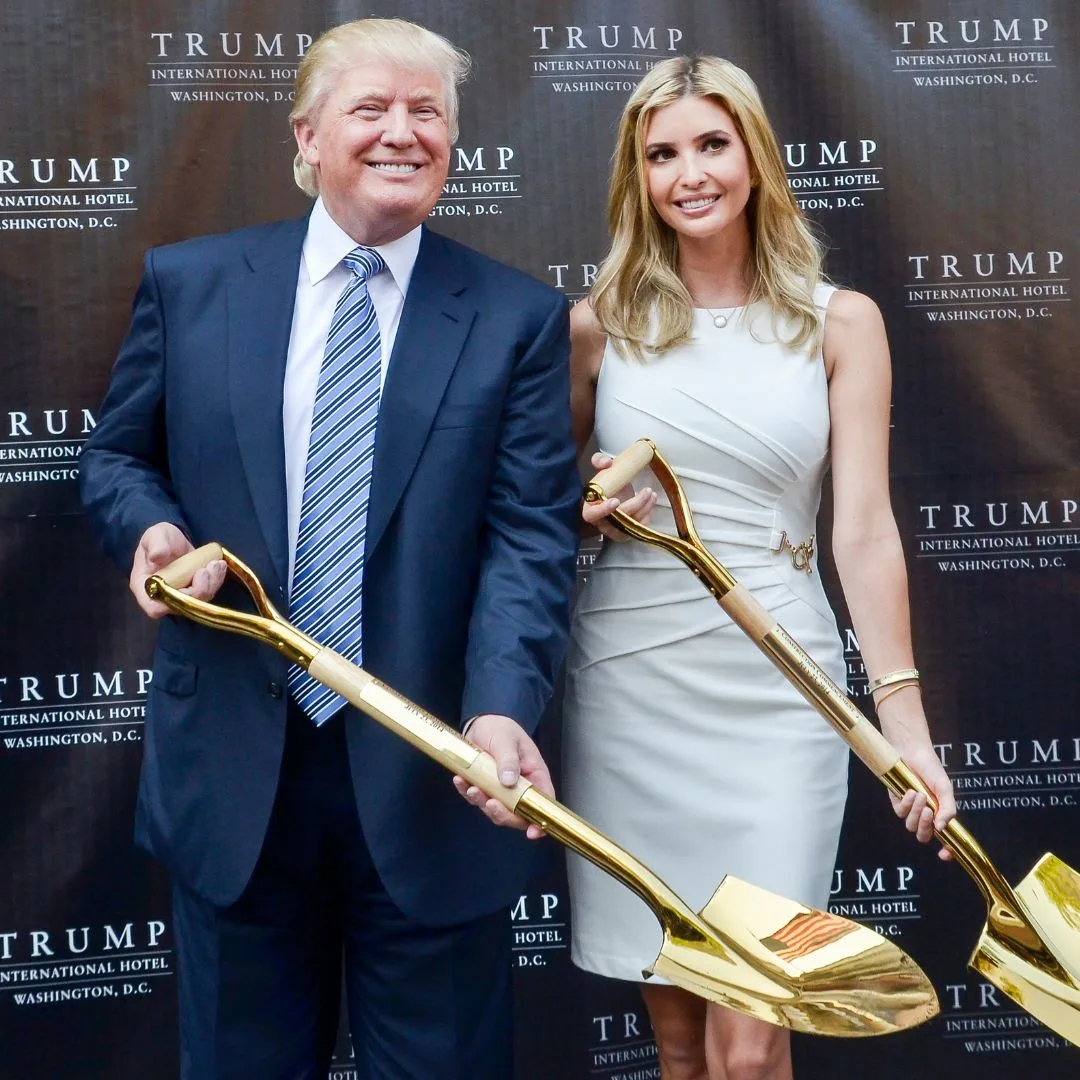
{"x": 381, "y": 149}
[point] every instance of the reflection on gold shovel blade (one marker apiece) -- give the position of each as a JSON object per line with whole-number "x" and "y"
{"x": 1050, "y": 896}
{"x": 842, "y": 978}
{"x": 1045, "y": 994}
{"x": 1042, "y": 981}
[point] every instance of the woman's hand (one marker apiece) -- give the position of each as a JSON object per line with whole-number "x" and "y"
{"x": 639, "y": 506}
{"x": 914, "y": 810}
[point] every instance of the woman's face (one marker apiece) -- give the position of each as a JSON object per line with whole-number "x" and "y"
{"x": 697, "y": 169}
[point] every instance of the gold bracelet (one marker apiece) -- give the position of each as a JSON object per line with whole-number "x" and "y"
{"x": 894, "y": 688}
{"x": 900, "y": 675}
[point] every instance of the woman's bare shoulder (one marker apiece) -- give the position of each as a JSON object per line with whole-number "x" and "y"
{"x": 852, "y": 310}
{"x": 587, "y": 337}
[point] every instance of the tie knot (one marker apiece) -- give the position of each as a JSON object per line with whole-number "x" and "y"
{"x": 364, "y": 262}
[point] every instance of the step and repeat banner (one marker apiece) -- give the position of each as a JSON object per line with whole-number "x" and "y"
{"x": 933, "y": 143}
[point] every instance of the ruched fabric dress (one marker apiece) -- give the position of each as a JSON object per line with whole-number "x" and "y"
{"x": 681, "y": 740}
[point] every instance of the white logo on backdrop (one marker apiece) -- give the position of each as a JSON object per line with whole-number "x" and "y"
{"x": 1024, "y": 773}
{"x": 885, "y": 898}
{"x": 483, "y": 181}
{"x": 72, "y": 709}
{"x": 225, "y": 66}
{"x": 65, "y": 192}
{"x": 986, "y": 51}
{"x": 42, "y": 446}
{"x": 985, "y": 1021}
{"x": 80, "y": 963}
{"x": 986, "y": 533}
{"x": 623, "y": 1040}
{"x": 986, "y": 286}
{"x": 539, "y": 929}
{"x": 599, "y": 58}
{"x": 833, "y": 175}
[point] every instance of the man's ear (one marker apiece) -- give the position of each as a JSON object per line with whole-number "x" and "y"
{"x": 304, "y": 134}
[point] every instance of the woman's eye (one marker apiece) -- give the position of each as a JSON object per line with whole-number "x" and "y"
{"x": 716, "y": 144}
{"x": 658, "y": 155}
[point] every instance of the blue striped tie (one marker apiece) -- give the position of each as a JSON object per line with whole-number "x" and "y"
{"x": 326, "y": 600}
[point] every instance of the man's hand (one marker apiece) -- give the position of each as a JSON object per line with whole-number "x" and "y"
{"x": 160, "y": 545}
{"x": 515, "y": 755}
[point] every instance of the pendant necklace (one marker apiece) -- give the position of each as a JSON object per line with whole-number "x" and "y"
{"x": 719, "y": 319}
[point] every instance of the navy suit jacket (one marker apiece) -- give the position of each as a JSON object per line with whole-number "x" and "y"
{"x": 470, "y": 548}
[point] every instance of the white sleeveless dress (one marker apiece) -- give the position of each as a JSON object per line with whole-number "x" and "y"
{"x": 681, "y": 740}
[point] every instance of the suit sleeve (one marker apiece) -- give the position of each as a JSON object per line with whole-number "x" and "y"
{"x": 520, "y": 619}
{"x": 123, "y": 469}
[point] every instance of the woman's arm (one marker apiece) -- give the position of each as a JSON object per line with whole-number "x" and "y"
{"x": 587, "y": 344}
{"x": 866, "y": 542}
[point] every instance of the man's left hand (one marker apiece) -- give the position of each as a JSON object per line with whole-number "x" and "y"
{"x": 515, "y": 755}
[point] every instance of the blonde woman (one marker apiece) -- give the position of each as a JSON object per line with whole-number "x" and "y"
{"x": 711, "y": 329}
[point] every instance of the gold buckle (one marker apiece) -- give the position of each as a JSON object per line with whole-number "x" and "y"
{"x": 801, "y": 553}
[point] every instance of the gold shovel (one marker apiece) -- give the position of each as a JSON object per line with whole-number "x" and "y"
{"x": 747, "y": 949}
{"x": 1030, "y": 945}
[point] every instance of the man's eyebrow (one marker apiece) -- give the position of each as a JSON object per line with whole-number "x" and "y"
{"x": 382, "y": 96}
{"x": 425, "y": 95}
{"x": 369, "y": 94}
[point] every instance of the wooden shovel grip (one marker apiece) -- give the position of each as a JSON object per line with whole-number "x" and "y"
{"x": 180, "y": 571}
{"x": 608, "y": 482}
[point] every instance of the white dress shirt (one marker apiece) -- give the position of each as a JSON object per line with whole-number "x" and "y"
{"x": 320, "y": 282}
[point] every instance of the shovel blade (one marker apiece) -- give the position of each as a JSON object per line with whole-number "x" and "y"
{"x": 1050, "y": 896}
{"x": 798, "y": 967}
{"x": 1043, "y": 981}
{"x": 1044, "y": 991}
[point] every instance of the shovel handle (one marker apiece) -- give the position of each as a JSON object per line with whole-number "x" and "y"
{"x": 446, "y": 746}
{"x": 622, "y": 470}
{"x": 416, "y": 726}
{"x": 431, "y": 736}
{"x": 424, "y": 731}
{"x": 867, "y": 742}
{"x": 180, "y": 571}
{"x": 872, "y": 748}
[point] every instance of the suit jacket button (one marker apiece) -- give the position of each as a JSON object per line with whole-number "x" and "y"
{"x": 274, "y": 690}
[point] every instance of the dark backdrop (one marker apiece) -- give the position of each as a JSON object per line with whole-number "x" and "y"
{"x": 934, "y": 143}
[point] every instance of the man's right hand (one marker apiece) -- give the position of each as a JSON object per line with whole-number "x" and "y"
{"x": 160, "y": 545}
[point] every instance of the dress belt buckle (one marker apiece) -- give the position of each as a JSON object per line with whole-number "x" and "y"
{"x": 801, "y": 553}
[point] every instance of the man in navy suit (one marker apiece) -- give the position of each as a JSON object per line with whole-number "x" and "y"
{"x": 298, "y": 850}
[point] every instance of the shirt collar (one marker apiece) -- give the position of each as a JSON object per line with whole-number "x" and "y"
{"x": 327, "y": 243}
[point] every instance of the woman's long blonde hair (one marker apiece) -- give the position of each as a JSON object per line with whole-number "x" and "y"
{"x": 639, "y": 298}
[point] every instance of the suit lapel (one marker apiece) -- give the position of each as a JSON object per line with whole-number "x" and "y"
{"x": 261, "y": 297}
{"x": 435, "y": 322}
